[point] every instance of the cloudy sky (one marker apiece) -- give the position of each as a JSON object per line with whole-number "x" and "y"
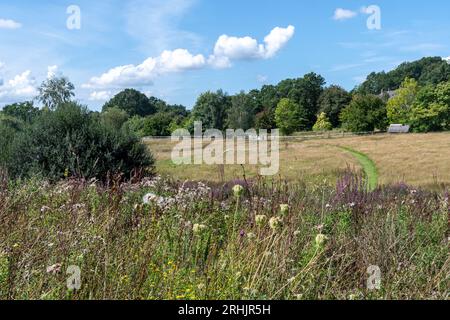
{"x": 176, "y": 49}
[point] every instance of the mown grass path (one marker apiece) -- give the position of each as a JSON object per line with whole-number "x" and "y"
{"x": 368, "y": 166}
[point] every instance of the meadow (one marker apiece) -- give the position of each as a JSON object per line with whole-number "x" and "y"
{"x": 314, "y": 232}
{"x": 415, "y": 159}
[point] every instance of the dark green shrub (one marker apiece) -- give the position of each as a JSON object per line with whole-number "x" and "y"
{"x": 9, "y": 127}
{"x": 72, "y": 142}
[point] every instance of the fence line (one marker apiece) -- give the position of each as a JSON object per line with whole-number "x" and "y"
{"x": 309, "y": 136}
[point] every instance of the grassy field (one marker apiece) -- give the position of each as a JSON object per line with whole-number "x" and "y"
{"x": 415, "y": 159}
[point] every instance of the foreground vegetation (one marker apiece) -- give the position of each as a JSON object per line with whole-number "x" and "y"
{"x": 161, "y": 239}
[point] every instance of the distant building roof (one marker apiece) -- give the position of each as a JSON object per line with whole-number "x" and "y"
{"x": 398, "y": 128}
{"x": 389, "y": 93}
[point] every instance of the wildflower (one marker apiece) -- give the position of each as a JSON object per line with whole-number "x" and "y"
{"x": 201, "y": 286}
{"x": 251, "y": 236}
{"x": 352, "y": 205}
{"x": 320, "y": 227}
{"x": 238, "y": 190}
{"x": 275, "y": 223}
{"x": 149, "y": 197}
{"x": 199, "y": 228}
{"x": 297, "y": 233}
{"x": 284, "y": 209}
{"x": 56, "y": 268}
{"x": 290, "y": 280}
{"x": 260, "y": 220}
{"x": 320, "y": 240}
{"x": 242, "y": 233}
{"x": 328, "y": 206}
{"x": 44, "y": 209}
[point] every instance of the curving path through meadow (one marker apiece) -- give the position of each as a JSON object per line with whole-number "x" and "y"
{"x": 368, "y": 166}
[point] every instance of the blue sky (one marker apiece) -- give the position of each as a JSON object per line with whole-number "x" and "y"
{"x": 176, "y": 49}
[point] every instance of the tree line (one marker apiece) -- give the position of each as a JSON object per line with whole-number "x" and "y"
{"x": 415, "y": 93}
{"x": 302, "y": 104}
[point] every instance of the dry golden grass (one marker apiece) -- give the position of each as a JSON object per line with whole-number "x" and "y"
{"x": 416, "y": 159}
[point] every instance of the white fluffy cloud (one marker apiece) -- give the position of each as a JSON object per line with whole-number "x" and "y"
{"x": 225, "y": 51}
{"x": 447, "y": 59}
{"x": 343, "y": 14}
{"x": 144, "y": 73}
{"x": 100, "y": 95}
{"x": 52, "y": 71}
{"x": 9, "y": 24}
{"x": 229, "y": 48}
{"x": 22, "y": 86}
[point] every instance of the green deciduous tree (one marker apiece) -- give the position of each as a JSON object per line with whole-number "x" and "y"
{"x": 364, "y": 113}
{"x": 322, "y": 123}
{"x": 211, "y": 109}
{"x": 400, "y": 106}
{"x": 132, "y": 102}
{"x": 429, "y": 70}
{"x": 55, "y": 91}
{"x": 332, "y": 100}
{"x": 431, "y": 111}
{"x": 290, "y": 117}
{"x": 241, "y": 114}
{"x": 265, "y": 119}
{"x": 25, "y": 111}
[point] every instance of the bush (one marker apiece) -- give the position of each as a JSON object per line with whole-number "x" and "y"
{"x": 70, "y": 141}
{"x": 9, "y": 127}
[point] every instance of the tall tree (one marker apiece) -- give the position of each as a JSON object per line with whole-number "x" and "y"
{"x": 211, "y": 109}
{"x": 399, "y": 107}
{"x": 331, "y": 102}
{"x": 431, "y": 111}
{"x": 305, "y": 92}
{"x": 241, "y": 114}
{"x": 132, "y": 102}
{"x": 364, "y": 113}
{"x": 55, "y": 91}
{"x": 290, "y": 116}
